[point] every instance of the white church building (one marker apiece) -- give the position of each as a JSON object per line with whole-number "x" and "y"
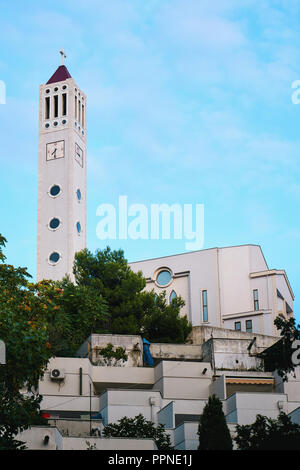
{"x": 229, "y": 287}
{"x": 231, "y": 298}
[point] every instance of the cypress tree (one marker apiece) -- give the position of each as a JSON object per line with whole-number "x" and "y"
{"x": 213, "y": 431}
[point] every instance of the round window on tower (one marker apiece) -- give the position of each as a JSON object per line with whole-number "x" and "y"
{"x": 54, "y": 223}
{"x": 54, "y": 190}
{"x": 54, "y": 257}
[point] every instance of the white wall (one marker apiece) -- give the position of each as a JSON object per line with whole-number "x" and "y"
{"x": 244, "y": 407}
{"x": 226, "y": 274}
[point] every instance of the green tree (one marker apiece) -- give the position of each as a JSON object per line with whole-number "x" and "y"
{"x": 85, "y": 311}
{"x": 279, "y": 356}
{"x": 27, "y": 353}
{"x": 107, "y": 273}
{"x": 131, "y": 309}
{"x": 163, "y": 324}
{"x": 268, "y": 434}
{"x": 139, "y": 427}
{"x": 213, "y": 431}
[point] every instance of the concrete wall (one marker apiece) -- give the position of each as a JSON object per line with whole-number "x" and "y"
{"x": 116, "y": 443}
{"x": 200, "y": 334}
{"x": 132, "y": 344}
{"x": 115, "y": 404}
{"x": 183, "y": 379}
{"x": 34, "y": 440}
{"x": 242, "y": 408}
{"x": 65, "y": 394}
{"x": 75, "y": 427}
{"x": 218, "y": 387}
{"x": 176, "y": 351}
{"x": 185, "y": 436}
{"x": 291, "y": 388}
{"x": 231, "y": 354}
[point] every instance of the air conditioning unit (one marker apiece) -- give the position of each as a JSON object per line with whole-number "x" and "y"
{"x": 57, "y": 374}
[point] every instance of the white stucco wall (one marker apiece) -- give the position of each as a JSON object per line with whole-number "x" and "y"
{"x": 227, "y": 276}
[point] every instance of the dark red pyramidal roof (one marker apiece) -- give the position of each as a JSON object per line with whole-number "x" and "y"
{"x": 59, "y": 75}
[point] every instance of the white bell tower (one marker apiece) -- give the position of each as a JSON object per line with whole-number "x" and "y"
{"x": 61, "y": 230}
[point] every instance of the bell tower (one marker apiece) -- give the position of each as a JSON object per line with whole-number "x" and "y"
{"x": 61, "y": 230}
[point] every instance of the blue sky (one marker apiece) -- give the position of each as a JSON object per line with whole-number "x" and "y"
{"x": 189, "y": 101}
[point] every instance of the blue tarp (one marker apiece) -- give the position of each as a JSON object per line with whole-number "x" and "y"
{"x": 148, "y": 359}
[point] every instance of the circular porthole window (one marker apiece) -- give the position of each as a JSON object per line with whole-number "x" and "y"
{"x": 78, "y": 194}
{"x": 54, "y": 257}
{"x": 54, "y": 190}
{"x": 164, "y": 278}
{"x": 56, "y": 89}
{"x": 55, "y": 123}
{"x": 64, "y": 121}
{"x": 65, "y": 87}
{"x": 54, "y": 223}
{"x": 48, "y": 90}
{"x": 47, "y": 125}
{"x": 78, "y": 227}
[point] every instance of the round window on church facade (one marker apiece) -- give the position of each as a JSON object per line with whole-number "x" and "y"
{"x": 54, "y": 223}
{"x": 54, "y": 257}
{"x": 164, "y": 278}
{"x": 54, "y": 190}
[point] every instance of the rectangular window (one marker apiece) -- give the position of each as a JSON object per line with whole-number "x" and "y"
{"x": 76, "y": 108}
{"x": 249, "y": 326}
{"x": 237, "y": 325}
{"x": 47, "y": 107}
{"x": 55, "y": 99}
{"x": 64, "y": 104}
{"x": 204, "y": 305}
{"x": 82, "y": 116}
{"x": 255, "y": 298}
{"x": 79, "y": 109}
{"x": 288, "y": 309}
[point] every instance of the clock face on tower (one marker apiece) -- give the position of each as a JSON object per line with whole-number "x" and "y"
{"x": 79, "y": 155}
{"x": 55, "y": 150}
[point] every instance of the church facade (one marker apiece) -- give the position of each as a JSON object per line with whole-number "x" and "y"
{"x": 229, "y": 287}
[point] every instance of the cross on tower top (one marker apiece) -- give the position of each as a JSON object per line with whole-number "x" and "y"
{"x": 63, "y": 56}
